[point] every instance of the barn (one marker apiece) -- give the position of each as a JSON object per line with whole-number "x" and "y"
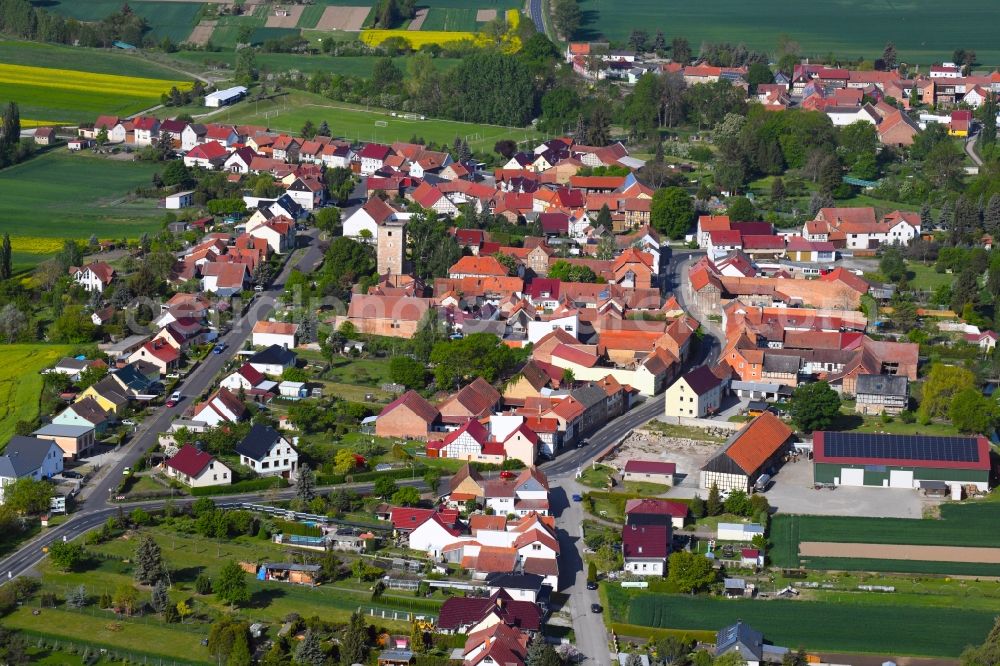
{"x": 756, "y": 449}
{"x": 899, "y": 461}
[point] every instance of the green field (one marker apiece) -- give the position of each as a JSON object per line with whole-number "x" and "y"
{"x": 924, "y": 31}
{"x": 166, "y": 19}
{"x": 818, "y": 625}
{"x": 960, "y": 525}
{"x": 99, "y": 61}
{"x": 59, "y": 195}
{"x": 20, "y": 383}
{"x": 902, "y": 566}
{"x": 450, "y": 19}
{"x": 289, "y": 112}
{"x": 360, "y": 66}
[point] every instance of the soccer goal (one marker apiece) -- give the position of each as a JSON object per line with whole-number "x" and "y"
{"x": 412, "y": 116}
{"x": 381, "y": 123}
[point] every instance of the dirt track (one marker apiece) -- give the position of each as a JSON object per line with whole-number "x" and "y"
{"x": 202, "y": 33}
{"x": 878, "y": 551}
{"x": 348, "y": 19}
{"x": 485, "y": 15}
{"x": 290, "y": 21}
{"x": 418, "y": 20}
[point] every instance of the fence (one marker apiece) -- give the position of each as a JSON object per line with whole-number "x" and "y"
{"x": 105, "y": 652}
{"x": 702, "y": 423}
{"x": 402, "y": 584}
{"x": 298, "y": 515}
{"x": 402, "y": 616}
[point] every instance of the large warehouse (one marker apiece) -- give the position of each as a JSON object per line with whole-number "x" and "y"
{"x": 899, "y": 461}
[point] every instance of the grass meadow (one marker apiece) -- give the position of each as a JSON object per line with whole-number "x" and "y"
{"x": 60, "y": 195}
{"x": 960, "y": 525}
{"x": 924, "y": 31}
{"x": 20, "y": 383}
{"x": 288, "y": 113}
{"x": 361, "y": 66}
{"x": 819, "y": 625}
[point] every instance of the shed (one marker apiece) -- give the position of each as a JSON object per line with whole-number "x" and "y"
{"x": 396, "y": 657}
{"x": 289, "y": 572}
{"x": 225, "y": 97}
{"x": 738, "y": 531}
{"x": 293, "y": 390}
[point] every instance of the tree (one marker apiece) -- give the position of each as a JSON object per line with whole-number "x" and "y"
{"x": 385, "y": 74}
{"x": 604, "y": 217}
{"x": 246, "y": 66}
{"x": 354, "y": 645}
{"x": 432, "y": 479}
{"x": 149, "y": 566}
{"x": 225, "y": 633}
{"x": 308, "y": 129}
{"x": 505, "y": 148}
{"x": 680, "y": 50}
{"x": 560, "y": 107}
{"x": 778, "y": 192}
{"x": 328, "y": 220}
{"x": 671, "y": 211}
{"x": 203, "y": 584}
{"x": 13, "y": 323}
{"x": 240, "y": 653}
{"x": 5, "y": 258}
{"x": 384, "y": 487}
{"x": 231, "y": 585}
{"x": 66, "y": 555}
{"x": 889, "y": 56}
{"x": 175, "y": 174}
{"x": 972, "y": 412}
{"x": 406, "y": 496}
{"x": 430, "y": 331}
{"x": 508, "y": 262}
{"x": 757, "y": 74}
{"x": 987, "y": 115}
{"x": 126, "y": 599}
{"x": 77, "y": 598}
{"x": 815, "y": 406}
{"x": 27, "y": 496}
{"x": 536, "y": 653}
{"x": 942, "y": 383}
{"x": 591, "y": 572}
{"x": 408, "y": 372}
{"x": 305, "y": 483}
{"x": 566, "y": 15}
{"x": 987, "y": 654}
{"x": 738, "y": 503}
{"x": 309, "y": 652}
{"x": 492, "y": 87}
{"x": 690, "y": 572}
{"x": 160, "y": 599}
{"x": 638, "y": 40}
{"x": 892, "y": 265}
{"x": 345, "y": 461}
{"x": 697, "y": 507}
{"x": 713, "y": 506}
{"x": 740, "y": 209}
{"x": 965, "y": 290}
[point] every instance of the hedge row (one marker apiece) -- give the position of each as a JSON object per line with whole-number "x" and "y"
{"x": 394, "y": 474}
{"x": 654, "y": 633}
{"x": 247, "y": 486}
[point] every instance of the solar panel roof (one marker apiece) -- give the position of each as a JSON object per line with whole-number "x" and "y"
{"x": 900, "y": 447}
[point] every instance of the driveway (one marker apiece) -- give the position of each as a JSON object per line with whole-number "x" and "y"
{"x": 793, "y": 492}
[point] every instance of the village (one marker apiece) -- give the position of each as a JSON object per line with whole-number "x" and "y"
{"x": 525, "y": 405}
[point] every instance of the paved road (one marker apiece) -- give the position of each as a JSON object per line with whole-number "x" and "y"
{"x": 970, "y": 150}
{"x": 535, "y": 9}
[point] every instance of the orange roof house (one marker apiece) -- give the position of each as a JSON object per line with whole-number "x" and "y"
{"x": 409, "y": 416}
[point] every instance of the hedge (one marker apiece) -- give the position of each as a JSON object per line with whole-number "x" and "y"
{"x": 247, "y": 486}
{"x": 394, "y": 474}
{"x": 330, "y": 479}
{"x": 654, "y": 633}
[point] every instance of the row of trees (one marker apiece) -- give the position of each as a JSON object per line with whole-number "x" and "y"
{"x": 23, "y": 19}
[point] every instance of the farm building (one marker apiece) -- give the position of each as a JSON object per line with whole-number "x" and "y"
{"x": 899, "y": 461}
{"x": 224, "y": 97}
{"x": 179, "y": 200}
{"x": 651, "y": 471}
{"x": 754, "y": 450}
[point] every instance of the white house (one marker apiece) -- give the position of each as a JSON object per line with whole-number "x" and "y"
{"x": 539, "y": 329}
{"x": 372, "y": 157}
{"x": 842, "y": 116}
{"x": 432, "y": 535}
{"x": 273, "y": 360}
{"x": 211, "y": 155}
{"x": 179, "y": 200}
{"x": 192, "y": 135}
{"x": 694, "y": 395}
{"x": 528, "y": 493}
{"x": 223, "y": 406}
{"x": 93, "y": 277}
{"x": 336, "y": 156}
{"x": 197, "y": 469}
{"x": 29, "y": 457}
{"x": 268, "y": 453}
{"x": 146, "y": 130}
{"x": 645, "y": 549}
{"x": 267, "y": 333}
{"x": 246, "y": 378}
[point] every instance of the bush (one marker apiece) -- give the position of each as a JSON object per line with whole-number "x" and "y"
{"x": 247, "y": 486}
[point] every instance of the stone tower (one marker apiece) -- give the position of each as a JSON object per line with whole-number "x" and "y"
{"x": 392, "y": 247}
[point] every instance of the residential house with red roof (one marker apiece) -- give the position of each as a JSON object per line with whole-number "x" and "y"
{"x": 527, "y": 493}
{"x": 224, "y": 279}
{"x": 95, "y": 276}
{"x": 469, "y": 615}
{"x": 756, "y": 449}
{"x": 386, "y": 315}
{"x": 470, "y": 442}
{"x": 433, "y": 534}
{"x": 372, "y": 157}
{"x": 267, "y": 333}
{"x": 497, "y": 645}
{"x": 645, "y": 549}
{"x": 477, "y": 267}
{"x": 649, "y": 511}
{"x": 164, "y": 356}
{"x": 410, "y": 416}
{"x": 473, "y": 401}
{"x": 197, "y": 469}
{"x": 146, "y": 130}
{"x": 223, "y": 406}
{"x": 246, "y": 378}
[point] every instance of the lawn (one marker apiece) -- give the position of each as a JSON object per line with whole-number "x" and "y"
{"x": 60, "y": 195}
{"x": 960, "y": 525}
{"x": 359, "y": 371}
{"x": 288, "y": 113}
{"x": 20, "y": 383}
{"x": 360, "y": 66}
{"x": 59, "y": 96}
{"x": 166, "y": 19}
{"x": 927, "y": 33}
{"x": 99, "y": 61}
{"x": 596, "y": 476}
{"x": 925, "y": 277}
{"x": 821, "y": 625}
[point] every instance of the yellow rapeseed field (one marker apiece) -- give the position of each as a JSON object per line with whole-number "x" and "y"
{"x": 45, "y": 77}
{"x": 419, "y": 38}
{"x": 36, "y": 244}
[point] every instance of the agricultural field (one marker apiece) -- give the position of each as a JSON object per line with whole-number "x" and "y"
{"x": 360, "y": 66}
{"x": 64, "y": 96}
{"x": 166, "y": 19}
{"x": 81, "y": 59}
{"x": 289, "y": 112}
{"x": 59, "y": 195}
{"x": 881, "y": 628}
{"x": 20, "y": 383}
{"x": 929, "y": 31}
{"x": 960, "y": 525}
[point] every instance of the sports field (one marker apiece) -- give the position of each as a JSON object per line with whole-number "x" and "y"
{"x": 20, "y": 383}
{"x": 47, "y": 95}
{"x": 60, "y": 195}
{"x": 289, "y": 113}
{"x": 924, "y": 31}
{"x": 971, "y": 525}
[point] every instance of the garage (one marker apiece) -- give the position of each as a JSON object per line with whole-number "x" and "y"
{"x": 852, "y": 476}
{"x": 899, "y": 478}
{"x": 899, "y": 461}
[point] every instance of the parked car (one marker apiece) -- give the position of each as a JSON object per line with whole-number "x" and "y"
{"x": 577, "y": 497}
{"x": 596, "y": 608}
{"x": 219, "y": 348}
{"x": 507, "y": 474}
{"x": 259, "y": 288}
{"x": 126, "y": 471}
{"x": 591, "y": 585}
{"x": 70, "y": 474}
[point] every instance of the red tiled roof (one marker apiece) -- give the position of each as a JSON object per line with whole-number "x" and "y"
{"x": 458, "y": 612}
{"x": 645, "y": 541}
{"x": 652, "y": 466}
{"x": 189, "y": 460}
{"x": 658, "y": 507}
{"x": 212, "y": 150}
{"x": 758, "y": 441}
{"x": 416, "y": 403}
{"x": 478, "y": 266}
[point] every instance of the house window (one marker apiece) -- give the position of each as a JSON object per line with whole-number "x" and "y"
{"x": 265, "y": 465}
